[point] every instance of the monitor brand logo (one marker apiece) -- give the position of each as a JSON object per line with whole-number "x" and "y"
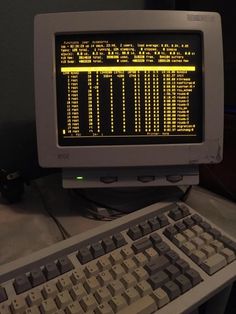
{"x": 201, "y": 17}
{"x": 63, "y": 156}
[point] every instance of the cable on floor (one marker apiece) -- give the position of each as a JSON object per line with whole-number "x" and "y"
{"x": 65, "y": 234}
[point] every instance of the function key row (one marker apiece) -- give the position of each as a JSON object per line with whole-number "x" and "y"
{"x": 138, "y": 231}
{"x": 25, "y": 282}
{"x": 179, "y": 212}
{"x": 100, "y": 248}
{"x": 38, "y": 276}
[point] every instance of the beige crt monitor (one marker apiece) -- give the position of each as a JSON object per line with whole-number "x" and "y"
{"x": 128, "y": 98}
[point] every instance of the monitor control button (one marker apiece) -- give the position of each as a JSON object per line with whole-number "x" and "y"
{"x": 146, "y": 179}
{"x": 109, "y": 179}
{"x": 174, "y": 178}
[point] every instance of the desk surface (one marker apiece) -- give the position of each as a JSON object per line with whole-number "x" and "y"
{"x": 26, "y": 227}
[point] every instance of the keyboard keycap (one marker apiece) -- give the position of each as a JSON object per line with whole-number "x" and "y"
{"x": 179, "y": 239}
{"x": 119, "y": 240}
{"x": 3, "y": 295}
{"x": 208, "y": 250}
{"x": 74, "y": 308}
{"x": 91, "y": 284}
{"x": 134, "y": 233}
{"x": 180, "y": 226}
{"x": 175, "y": 214}
{"x": 143, "y": 288}
{"x": 33, "y": 310}
{"x": 193, "y": 276}
{"x": 84, "y": 255}
{"x": 18, "y": 305}
{"x": 162, "y": 247}
{"x": 108, "y": 245}
{"x": 188, "y": 222}
{"x": 170, "y": 231}
{"x": 64, "y": 264}
{"x": 49, "y": 290}
{"x": 205, "y": 225}
{"x": 78, "y": 292}
{"x": 34, "y": 298}
{"x": 155, "y": 238}
{"x": 145, "y": 305}
{"x": 91, "y": 269}
{"x": 160, "y": 263}
{"x": 160, "y": 297}
{"x": 172, "y": 289}
{"x": 158, "y": 279}
{"x": 162, "y": 220}
{"x": 21, "y": 284}
{"x": 145, "y": 228}
{"x": 151, "y": 254}
{"x": 97, "y": 250}
{"x": 140, "y": 259}
{"x": 183, "y": 282}
{"x": 154, "y": 224}
{"x": 102, "y": 294}
{"x": 115, "y": 257}
{"x": 131, "y": 295}
{"x": 215, "y": 233}
{"x": 77, "y": 276}
{"x": 48, "y": 306}
{"x": 51, "y": 271}
{"x": 64, "y": 283}
{"x": 196, "y": 218}
{"x": 184, "y": 209}
{"x": 228, "y": 254}
{"x": 217, "y": 245}
{"x": 115, "y": 287}
{"x": 88, "y": 303}
{"x": 182, "y": 265}
{"x": 214, "y": 263}
{"x": 128, "y": 280}
{"x": 104, "y": 308}
{"x": 172, "y": 256}
{"x": 118, "y": 303}
{"x": 104, "y": 263}
{"x": 141, "y": 245}
{"x": 172, "y": 271}
{"x": 36, "y": 277}
{"x": 63, "y": 299}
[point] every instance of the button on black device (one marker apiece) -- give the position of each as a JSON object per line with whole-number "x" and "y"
{"x": 109, "y": 179}
{"x": 146, "y": 179}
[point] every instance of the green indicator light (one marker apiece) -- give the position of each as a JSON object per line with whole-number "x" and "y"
{"x": 79, "y": 178}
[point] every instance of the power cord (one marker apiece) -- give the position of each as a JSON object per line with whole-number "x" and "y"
{"x": 184, "y": 197}
{"x": 65, "y": 234}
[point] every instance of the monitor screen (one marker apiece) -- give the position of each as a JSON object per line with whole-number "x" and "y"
{"x": 129, "y": 98}
{"x": 129, "y": 88}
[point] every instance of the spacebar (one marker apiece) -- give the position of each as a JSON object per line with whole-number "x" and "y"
{"x": 145, "y": 305}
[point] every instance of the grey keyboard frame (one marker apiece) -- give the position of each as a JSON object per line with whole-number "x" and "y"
{"x": 185, "y": 303}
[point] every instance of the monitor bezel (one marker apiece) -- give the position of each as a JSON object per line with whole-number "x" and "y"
{"x": 52, "y": 155}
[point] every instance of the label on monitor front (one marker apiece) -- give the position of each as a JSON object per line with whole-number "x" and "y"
{"x": 129, "y": 88}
